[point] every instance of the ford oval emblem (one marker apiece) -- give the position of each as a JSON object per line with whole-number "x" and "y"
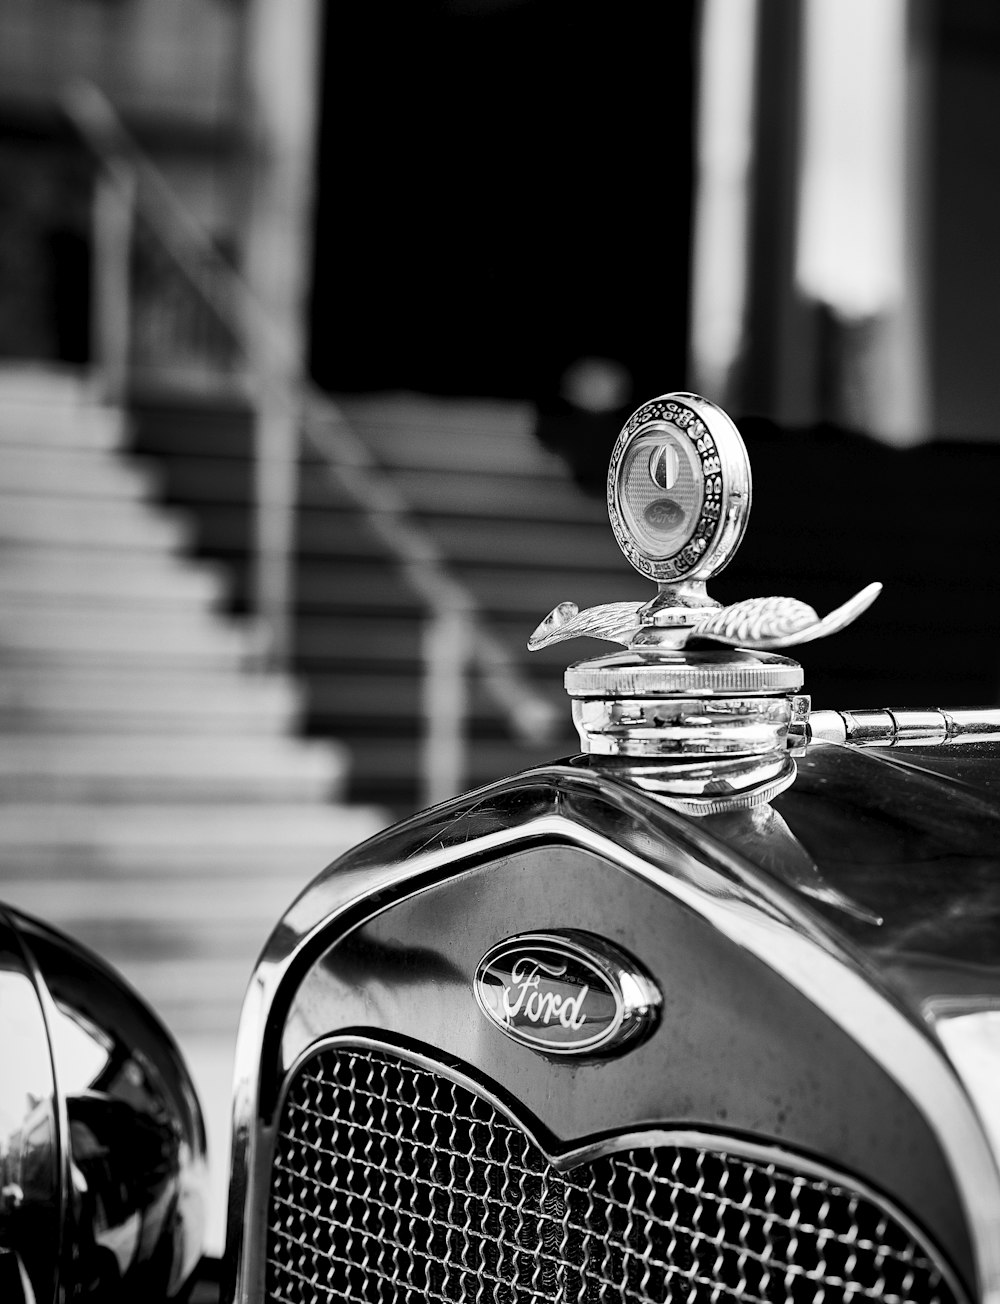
{"x": 565, "y": 993}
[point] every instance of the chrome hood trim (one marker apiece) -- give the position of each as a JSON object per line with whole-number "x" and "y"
{"x": 569, "y": 806}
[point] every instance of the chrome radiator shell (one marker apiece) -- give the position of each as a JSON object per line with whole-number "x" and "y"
{"x": 319, "y": 977}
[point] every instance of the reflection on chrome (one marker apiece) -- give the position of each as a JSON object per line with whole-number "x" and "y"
{"x": 679, "y": 494}
{"x": 812, "y": 944}
{"x": 127, "y": 1199}
{"x": 30, "y": 1187}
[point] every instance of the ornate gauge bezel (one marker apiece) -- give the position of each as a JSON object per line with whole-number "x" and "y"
{"x": 725, "y": 505}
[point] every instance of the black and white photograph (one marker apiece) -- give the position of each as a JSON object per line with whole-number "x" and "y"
{"x": 499, "y": 652}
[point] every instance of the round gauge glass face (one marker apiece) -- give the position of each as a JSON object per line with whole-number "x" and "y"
{"x": 661, "y": 491}
{"x": 678, "y": 488}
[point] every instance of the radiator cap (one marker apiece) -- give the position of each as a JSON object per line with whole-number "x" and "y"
{"x": 696, "y": 679}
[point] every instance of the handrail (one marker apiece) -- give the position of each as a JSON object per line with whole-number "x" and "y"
{"x": 141, "y": 187}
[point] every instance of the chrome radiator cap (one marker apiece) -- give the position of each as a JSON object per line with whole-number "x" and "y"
{"x": 697, "y": 681}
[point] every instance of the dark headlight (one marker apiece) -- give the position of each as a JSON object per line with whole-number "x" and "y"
{"x": 102, "y": 1142}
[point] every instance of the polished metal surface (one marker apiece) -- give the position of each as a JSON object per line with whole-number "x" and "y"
{"x": 394, "y": 1179}
{"x": 682, "y": 707}
{"x": 689, "y": 674}
{"x": 679, "y": 488}
{"x": 566, "y": 994}
{"x": 679, "y": 495}
{"x": 841, "y": 939}
{"x": 133, "y": 1142}
{"x": 687, "y": 727}
{"x": 617, "y": 622}
{"x": 906, "y": 727}
{"x": 781, "y": 622}
{"x": 679, "y": 499}
{"x": 763, "y": 623}
{"x": 825, "y": 952}
{"x": 712, "y": 786}
{"x": 31, "y": 1141}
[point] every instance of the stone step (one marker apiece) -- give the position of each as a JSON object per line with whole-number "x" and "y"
{"x": 71, "y": 472}
{"x": 393, "y": 764}
{"x": 42, "y": 382}
{"x": 362, "y": 697}
{"x": 530, "y": 594}
{"x": 50, "y": 633}
{"x": 531, "y": 545}
{"x": 518, "y": 544}
{"x": 179, "y": 898}
{"x": 434, "y": 449}
{"x": 182, "y": 605}
{"x": 218, "y": 909}
{"x": 510, "y": 420}
{"x": 507, "y": 520}
{"x": 210, "y": 1056}
{"x": 192, "y": 993}
{"x": 84, "y": 523}
{"x": 106, "y": 768}
{"x": 70, "y": 699}
{"x": 336, "y": 641}
{"x": 238, "y": 721}
{"x": 458, "y": 492}
{"x": 141, "y": 839}
{"x": 59, "y": 424}
{"x": 193, "y": 976}
{"x": 120, "y": 838}
{"x": 40, "y": 574}
{"x": 411, "y": 431}
{"x": 439, "y": 491}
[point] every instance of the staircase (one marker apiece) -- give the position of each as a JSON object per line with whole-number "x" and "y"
{"x": 506, "y": 514}
{"x": 154, "y": 799}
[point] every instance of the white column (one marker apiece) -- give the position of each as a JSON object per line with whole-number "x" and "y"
{"x": 282, "y": 92}
{"x": 724, "y": 138}
{"x": 859, "y": 236}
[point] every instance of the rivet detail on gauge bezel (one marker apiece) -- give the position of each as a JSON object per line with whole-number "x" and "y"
{"x": 725, "y": 502}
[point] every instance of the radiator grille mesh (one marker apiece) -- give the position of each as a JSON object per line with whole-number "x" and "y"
{"x": 393, "y": 1185}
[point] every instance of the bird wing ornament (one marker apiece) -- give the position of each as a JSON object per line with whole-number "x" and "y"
{"x": 764, "y": 623}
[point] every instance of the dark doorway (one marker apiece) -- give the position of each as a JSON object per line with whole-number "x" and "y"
{"x": 504, "y": 186}
{"x": 44, "y": 249}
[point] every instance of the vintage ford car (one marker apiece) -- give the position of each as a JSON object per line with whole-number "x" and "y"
{"x": 709, "y": 1012}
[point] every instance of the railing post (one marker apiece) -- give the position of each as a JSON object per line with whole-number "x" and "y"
{"x": 445, "y": 704}
{"x": 111, "y": 293}
{"x": 275, "y": 475}
{"x": 288, "y": 408}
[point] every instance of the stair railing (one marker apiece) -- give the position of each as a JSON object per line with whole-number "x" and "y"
{"x": 132, "y": 196}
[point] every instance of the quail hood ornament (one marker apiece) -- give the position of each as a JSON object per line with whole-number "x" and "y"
{"x": 699, "y": 683}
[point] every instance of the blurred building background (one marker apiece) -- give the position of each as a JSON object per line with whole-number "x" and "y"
{"x": 317, "y": 324}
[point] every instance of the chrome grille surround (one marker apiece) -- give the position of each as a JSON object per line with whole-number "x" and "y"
{"x": 393, "y": 1182}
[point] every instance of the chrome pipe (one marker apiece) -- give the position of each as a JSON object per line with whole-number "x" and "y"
{"x": 894, "y": 727}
